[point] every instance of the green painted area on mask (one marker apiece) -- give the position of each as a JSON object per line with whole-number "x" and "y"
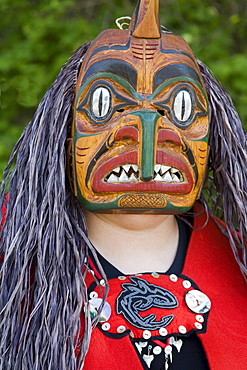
{"x": 203, "y": 139}
{"x": 113, "y": 77}
{"x": 111, "y": 206}
{"x": 78, "y": 135}
{"x": 148, "y": 121}
{"x": 177, "y": 79}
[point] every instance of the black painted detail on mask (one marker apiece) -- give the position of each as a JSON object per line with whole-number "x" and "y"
{"x": 115, "y": 66}
{"x": 105, "y": 147}
{"x": 140, "y": 296}
{"x": 111, "y": 47}
{"x": 191, "y": 159}
{"x": 173, "y": 51}
{"x": 174, "y": 70}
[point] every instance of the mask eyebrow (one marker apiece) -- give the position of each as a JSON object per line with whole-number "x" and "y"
{"x": 174, "y": 70}
{"x": 115, "y": 66}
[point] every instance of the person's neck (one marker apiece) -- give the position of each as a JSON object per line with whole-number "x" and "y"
{"x": 134, "y": 243}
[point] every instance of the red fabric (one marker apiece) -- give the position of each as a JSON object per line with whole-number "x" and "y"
{"x": 211, "y": 265}
{"x": 111, "y": 354}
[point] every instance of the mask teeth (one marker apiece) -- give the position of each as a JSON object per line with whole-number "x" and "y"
{"x": 125, "y": 173}
{"x": 167, "y": 174}
{"x": 130, "y": 173}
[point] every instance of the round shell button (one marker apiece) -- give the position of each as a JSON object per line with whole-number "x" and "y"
{"x": 197, "y": 301}
{"x": 157, "y": 350}
{"x": 94, "y": 305}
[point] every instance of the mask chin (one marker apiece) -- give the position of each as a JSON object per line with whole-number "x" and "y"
{"x": 139, "y": 204}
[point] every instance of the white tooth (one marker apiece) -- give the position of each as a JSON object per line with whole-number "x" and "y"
{"x": 164, "y": 168}
{"x": 167, "y": 177}
{"x": 158, "y": 177}
{"x": 172, "y": 340}
{"x": 176, "y": 173}
{"x": 138, "y": 347}
{"x": 157, "y": 168}
{"x": 133, "y": 178}
{"x": 123, "y": 177}
{"x": 126, "y": 167}
{"x": 175, "y": 179}
{"x": 113, "y": 178}
{"x": 117, "y": 170}
{"x": 135, "y": 167}
{"x": 148, "y": 359}
{"x": 178, "y": 344}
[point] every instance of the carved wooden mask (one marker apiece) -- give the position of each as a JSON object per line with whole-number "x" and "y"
{"x": 140, "y": 120}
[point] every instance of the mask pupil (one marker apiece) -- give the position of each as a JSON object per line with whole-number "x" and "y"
{"x": 100, "y": 103}
{"x": 183, "y": 108}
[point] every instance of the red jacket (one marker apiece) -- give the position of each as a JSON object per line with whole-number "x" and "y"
{"x": 211, "y": 265}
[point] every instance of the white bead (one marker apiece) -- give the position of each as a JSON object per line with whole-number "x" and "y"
{"x": 121, "y": 329}
{"x": 186, "y": 284}
{"x": 106, "y": 326}
{"x": 146, "y": 334}
{"x": 163, "y": 332}
{"x": 182, "y": 329}
{"x": 173, "y": 278}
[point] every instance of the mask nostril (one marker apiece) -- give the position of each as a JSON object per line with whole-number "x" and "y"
{"x": 161, "y": 112}
{"x": 120, "y": 110}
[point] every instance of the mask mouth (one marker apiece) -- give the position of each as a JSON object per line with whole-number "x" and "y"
{"x": 122, "y": 174}
{"x": 130, "y": 173}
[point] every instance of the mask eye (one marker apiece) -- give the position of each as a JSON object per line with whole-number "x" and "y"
{"x": 183, "y": 107}
{"x": 101, "y": 103}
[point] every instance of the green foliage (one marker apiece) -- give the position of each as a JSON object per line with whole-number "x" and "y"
{"x": 38, "y": 36}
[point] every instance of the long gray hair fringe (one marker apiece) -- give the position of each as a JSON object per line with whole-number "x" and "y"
{"x": 44, "y": 242}
{"x": 227, "y": 180}
{"x": 44, "y": 237}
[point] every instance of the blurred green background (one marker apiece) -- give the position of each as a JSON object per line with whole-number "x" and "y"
{"x": 38, "y": 36}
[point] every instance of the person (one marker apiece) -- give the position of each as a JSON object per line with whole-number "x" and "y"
{"x": 124, "y": 214}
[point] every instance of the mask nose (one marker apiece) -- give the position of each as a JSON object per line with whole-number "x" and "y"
{"x": 148, "y": 145}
